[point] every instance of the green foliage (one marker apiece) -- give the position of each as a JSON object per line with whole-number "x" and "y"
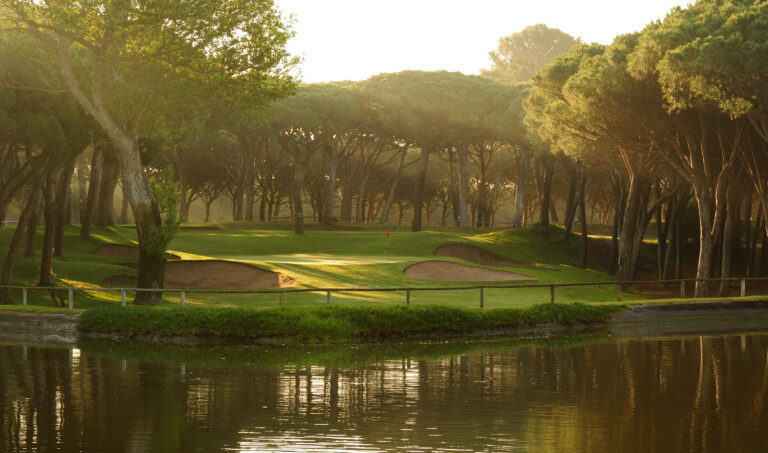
{"x": 166, "y": 194}
{"x": 520, "y": 55}
{"x": 329, "y": 322}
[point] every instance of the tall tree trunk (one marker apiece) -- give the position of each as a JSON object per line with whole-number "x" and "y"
{"x": 237, "y": 202}
{"x": 29, "y": 249}
{"x": 731, "y": 216}
{"x": 105, "y": 211}
{"x": 298, "y": 205}
{"x": 276, "y": 208}
{"x": 629, "y": 229}
{"x": 346, "y": 200}
{"x": 250, "y": 193}
{"x": 207, "y": 210}
{"x": 82, "y": 186}
{"x": 125, "y": 204}
{"x": 546, "y": 190}
{"x": 570, "y": 203}
{"x": 756, "y": 234}
{"x": 522, "y": 172}
{"x": 182, "y": 174}
{"x": 13, "y": 246}
{"x": 62, "y": 206}
{"x": 49, "y": 214}
{"x": 463, "y": 185}
{"x": 93, "y": 191}
{"x": 583, "y": 256}
{"x": 418, "y": 190}
{"x": 360, "y": 210}
{"x": 620, "y": 203}
{"x": 330, "y": 190}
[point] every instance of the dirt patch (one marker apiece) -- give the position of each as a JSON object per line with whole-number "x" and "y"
{"x": 445, "y": 271}
{"x": 212, "y": 274}
{"x": 482, "y": 256}
{"x": 123, "y": 251}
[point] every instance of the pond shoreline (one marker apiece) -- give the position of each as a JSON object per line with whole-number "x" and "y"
{"x": 637, "y": 320}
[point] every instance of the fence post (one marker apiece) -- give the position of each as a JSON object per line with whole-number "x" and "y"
{"x": 552, "y": 294}
{"x": 407, "y": 297}
{"x": 329, "y": 297}
{"x": 122, "y": 297}
{"x": 282, "y": 298}
{"x": 618, "y": 292}
{"x": 182, "y": 297}
{"x": 482, "y": 297}
{"x": 682, "y": 289}
{"x": 743, "y": 288}
{"x": 71, "y": 297}
{"x": 23, "y": 296}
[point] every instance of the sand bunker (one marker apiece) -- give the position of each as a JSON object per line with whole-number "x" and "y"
{"x": 122, "y": 251}
{"x": 445, "y": 271}
{"x": 482, "y": 256}
{"x": 212, "y": 274}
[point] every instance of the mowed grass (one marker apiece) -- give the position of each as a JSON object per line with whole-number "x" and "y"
{"x": 360, "y": 256}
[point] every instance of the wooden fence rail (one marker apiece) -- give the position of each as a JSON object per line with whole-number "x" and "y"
{"x": 281, "y": 292}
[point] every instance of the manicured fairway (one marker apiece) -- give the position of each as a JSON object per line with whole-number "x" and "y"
{"x": 335, "y": 258}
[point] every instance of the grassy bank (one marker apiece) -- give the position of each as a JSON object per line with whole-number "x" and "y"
{"x": 328, "y": 323}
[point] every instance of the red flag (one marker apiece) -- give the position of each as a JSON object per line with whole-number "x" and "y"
{"x": 387, "y": 233}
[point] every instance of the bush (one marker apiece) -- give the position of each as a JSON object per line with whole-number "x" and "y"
{"x": 324, "y": 323}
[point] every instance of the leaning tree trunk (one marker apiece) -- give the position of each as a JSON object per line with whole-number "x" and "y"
{"x": 146, "y": 211}
{"x": 418, "y": 191}
{"x": 13, "y": 247}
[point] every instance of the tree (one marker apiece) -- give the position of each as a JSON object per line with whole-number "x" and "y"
{"x": 431, "y": 110}
{"x": 120, "y": 60}
{"x": 520, "y": 55}
{"x": 319, "y": 119}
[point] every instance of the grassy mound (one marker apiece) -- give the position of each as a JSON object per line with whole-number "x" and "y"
{"x": 328, "y": 323}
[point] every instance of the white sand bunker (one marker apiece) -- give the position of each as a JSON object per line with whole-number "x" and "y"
{"x": 122, "y": 251}
{"x": 212, "y": 274}
{"x": 445, "y": 271}
{"x": 482, "y": 256}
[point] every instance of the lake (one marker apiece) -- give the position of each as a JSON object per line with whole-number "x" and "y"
{"x": 588, "y": 392}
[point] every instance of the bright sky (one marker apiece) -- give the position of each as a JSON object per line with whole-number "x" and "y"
{"x": 354, "y": 39}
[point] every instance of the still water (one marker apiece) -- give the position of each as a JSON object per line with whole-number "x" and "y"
{"x": 592, "y": 393}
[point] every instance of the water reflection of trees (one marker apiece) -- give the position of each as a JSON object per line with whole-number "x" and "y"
{"x": 698, "y": 394}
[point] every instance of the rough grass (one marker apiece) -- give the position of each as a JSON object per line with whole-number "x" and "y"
{"x": 328, "y": 323}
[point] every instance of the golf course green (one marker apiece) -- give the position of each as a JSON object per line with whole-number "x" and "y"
{"x": 337, "y": 257}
